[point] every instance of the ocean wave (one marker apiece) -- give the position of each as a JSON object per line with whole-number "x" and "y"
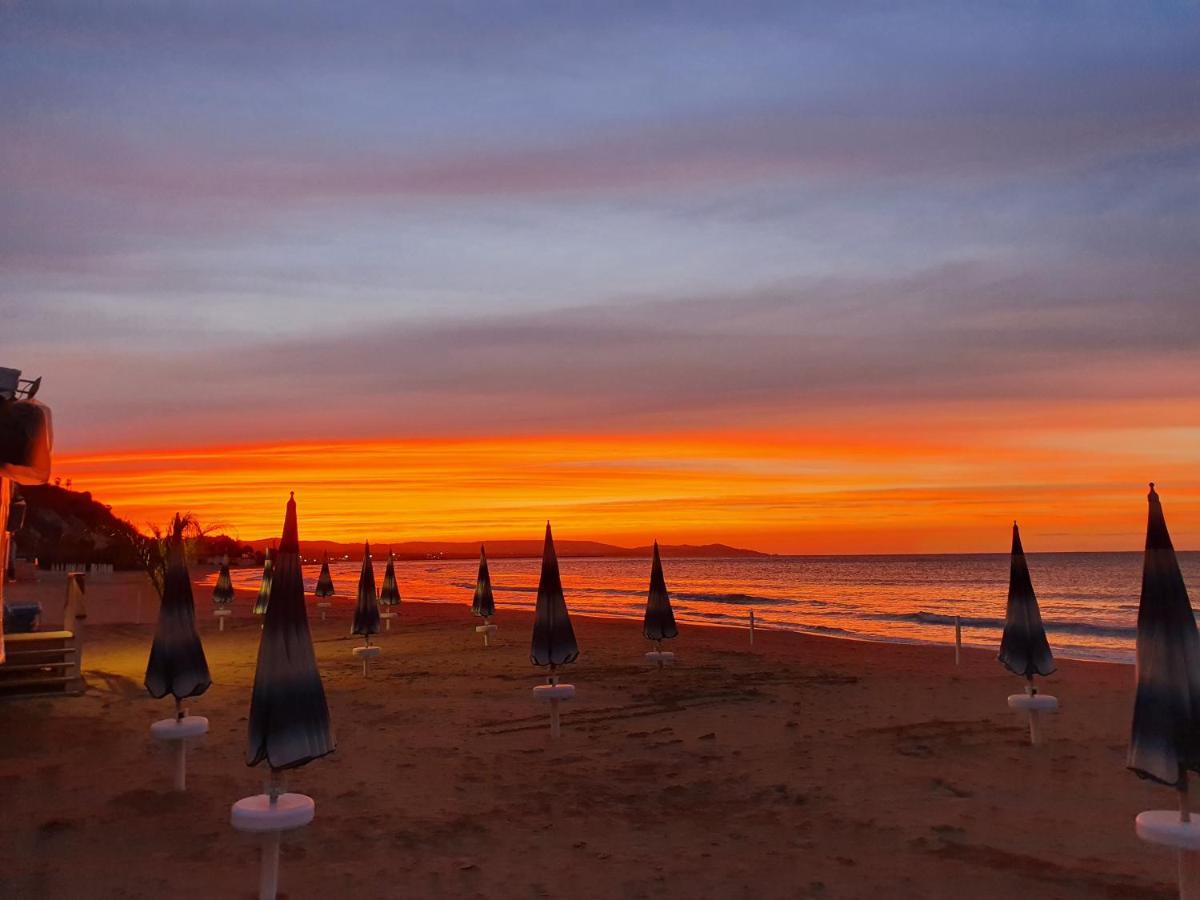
{"x": 1054, "y": 627}
{"x": 732, "y": 599}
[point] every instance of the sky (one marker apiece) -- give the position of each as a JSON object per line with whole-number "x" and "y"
{"x": 794, "y": 276}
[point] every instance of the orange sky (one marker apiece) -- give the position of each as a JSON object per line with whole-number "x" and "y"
{"x": 1078, "y": 483}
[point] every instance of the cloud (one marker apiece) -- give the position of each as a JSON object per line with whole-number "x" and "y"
{"x": 799, "y": 352}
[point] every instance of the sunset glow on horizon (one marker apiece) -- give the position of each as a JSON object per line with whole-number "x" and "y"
{"x": 763, "y": 491}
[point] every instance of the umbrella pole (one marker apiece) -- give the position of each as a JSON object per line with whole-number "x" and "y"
{"x": 268, "y": 881}
{"x": 554, "y": 720}
{"x": 180, "y": 752}
{"x": 751, "y": 628}
{"x": 658, "y": 649}
{"x": 1035, "y": 731}
{"x": 957, "y": 640}
{"x": 485, "y": 633}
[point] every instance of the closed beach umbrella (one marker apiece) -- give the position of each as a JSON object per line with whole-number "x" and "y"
{"x": 553, "y": 637}
{"x": 1165, "y": 743}
{"x": 1024, "y": 649}
{"x": 484, "y": 604}
{"x": 264, "y": 589}
{"x": 389, "y": 593}
{"x": 324, "y": 580}
{"x": 177, "y": 665}
{"x": 659, "y": 623}
{"x": 223, "y": 592}
{"x": 366, "y": 610}
{"x": 289, "y": 719}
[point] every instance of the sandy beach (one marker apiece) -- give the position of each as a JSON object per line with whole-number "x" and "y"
{"x": 804, "y": 767}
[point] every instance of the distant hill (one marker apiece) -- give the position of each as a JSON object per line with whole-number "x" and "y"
{"x": 71, "y": 526}
{"x": 65, "y": 526}
{"x": 510, "y": 549}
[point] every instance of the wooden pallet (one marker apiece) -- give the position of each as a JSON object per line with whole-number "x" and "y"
{"x": 47, "y": 663}
{"x": 44, "y": 662}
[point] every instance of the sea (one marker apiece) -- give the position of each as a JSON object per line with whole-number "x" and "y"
{"x": 1089, "y": 601}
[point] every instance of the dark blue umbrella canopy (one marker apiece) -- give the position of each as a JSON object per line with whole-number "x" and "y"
{"x": 177, "y": 665}
{"x": 264, "y": 589}
{"x": 483, "y": 604}
{"x": 553, "y": 637}
{"x": 1024, "y": 649}
{"x": 659, "y": 623}
{"x": 1165, "y": 742}
{"x": 324, "y": 586}
{"x": 223, "y": 591}
{"x": 366, "y": 610}
{"x": 389, "y": 593}
{"x": 289, "y": 718}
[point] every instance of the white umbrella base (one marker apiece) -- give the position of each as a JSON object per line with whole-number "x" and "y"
{"x": 366, "y": 654}
{"x": 387, "y": 619}
{"x": 177, "y": 731}
{"x": 222, "y": 615}
{"x": 554, "y": 694}
{"x": 1035, "y": 705}
{"x": 1163, "y": 827}
{"x": 258, "y": 815}
{"x": 485, "y": 629}
{"x": 660, "y": 658}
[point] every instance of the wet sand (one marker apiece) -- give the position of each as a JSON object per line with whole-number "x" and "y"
{"x": 804, "y": 767}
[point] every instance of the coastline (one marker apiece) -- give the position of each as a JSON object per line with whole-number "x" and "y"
{"x": 806, "y": 767}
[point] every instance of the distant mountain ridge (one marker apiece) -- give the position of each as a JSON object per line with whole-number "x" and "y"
{"x": 510, "y": 549}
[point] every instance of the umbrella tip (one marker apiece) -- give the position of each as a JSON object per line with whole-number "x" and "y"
{"x": 291, "y": 495}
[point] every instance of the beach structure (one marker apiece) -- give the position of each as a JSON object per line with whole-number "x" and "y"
{"x": 366, "y": 612}
{"x": 484, "y": 603}
{"x": 324, "y": 588}
{"x": 1024, "y": 649}
{"x": 659, "y": 622}
{"x": 389, "y": 593}
{"x": 26, "y": 440}
{"x": 264, "y": 587}
{"x": 289, "y": 718}
{"x": 177, "y": 665}
{"x": 223, "y": 594}
{"x": 1164, "y": 745}
{"x": 553, "y": 641}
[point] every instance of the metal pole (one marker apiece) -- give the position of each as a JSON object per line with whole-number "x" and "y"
{"x": 957, "y": 641}
{"x": 751, "y": 628}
